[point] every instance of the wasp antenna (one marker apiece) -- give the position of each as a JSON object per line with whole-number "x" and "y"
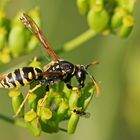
{"x": 91, "y": 63}
{"x": 33, "y": 27}
{"x": 95, "y": 84}
{"x": 97, "y": 87}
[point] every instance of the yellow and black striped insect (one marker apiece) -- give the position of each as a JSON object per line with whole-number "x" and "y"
{"x": 57, "y": 70}
{"x": 20, "y": 77}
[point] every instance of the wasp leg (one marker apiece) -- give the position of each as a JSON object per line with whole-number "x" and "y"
{"x": 50, "y": 82}
{"x": 46, "y": 96}
{"x": 37, "y": 121}
{"x": 77, "y": 89}
{"x": 69, "y": 86}
{"x": 26, "y": 97}
{"x": 44, "y": 99}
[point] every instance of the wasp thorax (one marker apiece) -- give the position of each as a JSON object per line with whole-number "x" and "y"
{"x": 66, "y": 67}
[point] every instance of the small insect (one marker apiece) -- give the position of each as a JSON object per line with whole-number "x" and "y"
{"x": 55, "y": 71}
{"x": 82, "y": 113}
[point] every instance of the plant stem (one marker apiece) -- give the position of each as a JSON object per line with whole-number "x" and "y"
{"x": 62, "y": 129}
{"x": 12, "y": 121}
{"x": 74, "y": 43}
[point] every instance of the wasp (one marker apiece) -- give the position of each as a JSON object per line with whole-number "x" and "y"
{"x": 55, "y": 71}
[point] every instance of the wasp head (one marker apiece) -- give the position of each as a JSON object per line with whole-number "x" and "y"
{"x": 81, "y": 73}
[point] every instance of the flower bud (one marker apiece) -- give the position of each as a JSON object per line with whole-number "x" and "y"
{"x": 17, "y": 99}
{"x": 95, "y": 2}
{"x": 45, "y": 113}
{"x": 128, "y": 23}
{"x": 17, "y": 41}
{"x": 30, "y": 116}
{"x": 117, "y": 18}
{"x": 40, "y": 105}
{"x": 73, "y": 99}
{"x": 72, "y": 124}
{"x": 127, "y": 4}
{"x": 83, "y": 6}
{"x": 57, "y": 100}
{"x": 36, "y": 95}
{"x": 32, "y": 122}
{"x": 62, "y": 110}
{"x": 32, "y": 101}
{"x": 66, "y": 92}
{"x": 98, "y": 18}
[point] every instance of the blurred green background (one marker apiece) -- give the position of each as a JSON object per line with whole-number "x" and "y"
{"x": 115, "y": 114}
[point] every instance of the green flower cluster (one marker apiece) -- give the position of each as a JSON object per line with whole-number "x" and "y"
{"x": 109, "y": 16}
{"x": 15, "y": 39}
{"x": 60, "y": 104}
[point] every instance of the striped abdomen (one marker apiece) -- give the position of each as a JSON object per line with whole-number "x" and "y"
{"x": 21, "y": 77}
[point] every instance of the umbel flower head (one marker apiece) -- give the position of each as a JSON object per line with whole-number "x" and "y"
{"x": 61, "y": 104}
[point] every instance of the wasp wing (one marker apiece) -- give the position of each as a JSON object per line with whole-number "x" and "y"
{"x": 52, "y": 74}
{"x": 33, "y": 27}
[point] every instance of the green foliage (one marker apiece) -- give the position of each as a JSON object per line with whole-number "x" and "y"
{"x": 46, "y": 114}
{"x": 15, "y": 38}
{"x": 108, "y": 15}
{"x": 98, "y": 19}
{"x": 17, "y": 99}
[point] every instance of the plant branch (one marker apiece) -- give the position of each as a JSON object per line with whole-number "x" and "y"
{"x": 12, "y": 121}
{"x": 74, "y": 43}
{"x": 62, "y": 129}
